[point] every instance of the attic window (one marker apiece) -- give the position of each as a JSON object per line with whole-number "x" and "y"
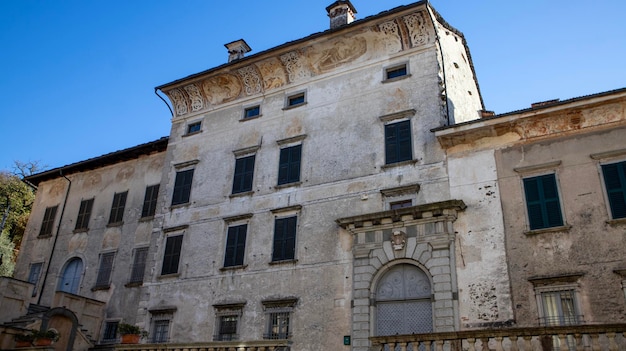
{"x": 252, "y": 111}
{"x": 193, "y": 128}
{"x": 396, "y": 72}
{"x": 295, "y": 100}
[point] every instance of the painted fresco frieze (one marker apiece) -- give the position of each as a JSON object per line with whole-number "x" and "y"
{"x": 417, "y": 29}
{"x": 272, "y": 73}
{"x": 251, "y": 80}
{"x": 222, "y": 88}
{"x": 179, "y": 101}
{"x": 392, "y": 39}
{"x": 295, "y": 66}
{"x": 197, "y": 101}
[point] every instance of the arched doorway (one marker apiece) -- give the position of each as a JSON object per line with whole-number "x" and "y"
{"x": 70, "y": 280}
{"x": 404, "y": 302}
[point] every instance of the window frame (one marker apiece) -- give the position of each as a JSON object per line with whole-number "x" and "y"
{"x": 172, "y": 252}
{"x": 295, "y": 99}
{"x": 401, "y": 66}
{"x": 287, "y": 243}
{"x": 47, "y": 224}
{"x": 150, "y": 200}
{"x": 181, "y": 191}
{"x": 234, "y": 310}
{"x": 236, "y": 248}
{"x": 613, "y": 212}
{"x": 194, "y": 127}
{"x": 399, "y": 142}
{"x": 275, "y": 309}
{"x": 105, "y": 270}
{"x": 542, "y": 291}
{"x": 118, "y": 206}
{"x": 138, "y": 269}
{"x": 243, "y": 176}
{"x": 286, "y": 167}
{"x": 107, "y": 332}
{"x": 246, "y": 116}
{"x": 35, "y": 280}
{"x": 542, "y": 202}
{"x": 84, "y": 215}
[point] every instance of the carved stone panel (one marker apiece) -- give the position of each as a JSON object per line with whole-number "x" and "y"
{"x": 418, "y": 32}
{"x": 197, "y": 101}
{"x": 251, "y": 80}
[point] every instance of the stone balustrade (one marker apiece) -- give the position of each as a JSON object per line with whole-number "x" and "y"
{"x": 607, "y": 337}
{"x": 262, "y": 345}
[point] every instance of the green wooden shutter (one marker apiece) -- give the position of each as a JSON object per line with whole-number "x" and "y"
{"x": 615, "y": 182}
{"x": 542, "y": 202}
{"x": 235, "y": 245}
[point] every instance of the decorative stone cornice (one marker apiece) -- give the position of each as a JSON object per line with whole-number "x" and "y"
{"x": 438, "y": 209}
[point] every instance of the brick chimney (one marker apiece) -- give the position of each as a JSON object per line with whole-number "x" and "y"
{"x": 341, "y": 13}
{"x": 237, "y": 49}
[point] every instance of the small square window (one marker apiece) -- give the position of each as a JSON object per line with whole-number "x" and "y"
{"x": 296, "y": 100}
{"x": 194, "y": 127}
{"x": 253, "y": 111}
{"x": 395, "y": 72}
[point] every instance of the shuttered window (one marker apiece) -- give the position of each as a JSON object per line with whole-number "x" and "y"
{"x": 235, "y": 245}
{"x": 284, "y": 239}
{"x": 171, "y": 257}
{"x": 542, "y": 202}
{"x": 615, "y": 182}
{"x": 117, "y": 208}
{"x": 139, "y": 265}
{"x": 48, "y": 221}
{"x": 398, "y": 146}
{"x": 82, "y": 222}
{"x": 244, "y": 172}
{"x": 150, "y": 201}
{"x": 289, "y": 165}
{"x": 182, "y": 187}
{"x": 105, "y": 269}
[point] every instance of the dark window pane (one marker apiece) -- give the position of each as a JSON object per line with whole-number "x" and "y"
{"x": 161, "y": 331}
{"x": 289, "y": 165}
{"x": 252, "y": 112}
{"x": 172, "y": 254}
{"x": 396, "y": 72}
{"x": 398, "y": 146}
{"x": 182, "y": 187}
{"x": 110, "y": 331}
{"x": 194, "y": 127}
{"x": 295, "y": 100}
{"x": 150, "y": 201}
{"x": 244, "y": 173}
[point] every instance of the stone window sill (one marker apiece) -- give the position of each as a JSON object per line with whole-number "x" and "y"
{"x": 116, "y": 224}
{"x": 244, "y": 119}
{"x": 294, "y": 106}
{"x": 186, "y": 204}
{"x": 390, "y": 80}
{"x": 245, "y": 193}
{"x": 81, "y": 230}
{"x": 133, "y": 284}
{"x": 292, "y": 261}
{"x": 146, "y": 219}
{"x": 168, "y": 276}
{"x": 287, "y": 185}
{"x": 46, "y": 236}
{"x": 234, "y": 268}
{"x": 192, "y": 133}
{"x": 616, "y": 222}
{"x": 398, "y": 164}
{"x": 563, "y": 228}
{"x": 100, "y": 287}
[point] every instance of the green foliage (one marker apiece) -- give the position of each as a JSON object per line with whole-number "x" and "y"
{"x": 125, "y": 328}
{"x": 7, "y": 255}
{"x": 46, "y": 334}
{"x": 16, "y": 201}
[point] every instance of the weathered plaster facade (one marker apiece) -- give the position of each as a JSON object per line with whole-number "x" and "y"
{"x": 585, "y": 255}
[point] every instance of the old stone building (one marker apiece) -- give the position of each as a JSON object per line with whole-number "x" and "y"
{"x": 301, "y": 202}
{"x": 560, "y": 169}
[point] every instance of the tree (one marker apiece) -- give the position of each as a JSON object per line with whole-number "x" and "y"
{"x": 16, "y": 201}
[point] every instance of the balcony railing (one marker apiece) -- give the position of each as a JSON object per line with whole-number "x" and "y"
{"x": 262, "y": 345}
{"x": 608, "y": 337}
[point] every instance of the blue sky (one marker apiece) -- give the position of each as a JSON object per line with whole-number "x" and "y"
{"x": 77, "y": 77}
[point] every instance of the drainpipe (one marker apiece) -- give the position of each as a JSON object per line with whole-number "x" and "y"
{"x": 156, "y": 91}
{"x": 54, "y": 243}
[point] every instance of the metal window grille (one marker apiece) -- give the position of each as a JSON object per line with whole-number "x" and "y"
{"x": 110, "y": 332}
{"x": 227, "y": 328}
{"x": 278, "y": 327}
{"x": 161, "y": 331}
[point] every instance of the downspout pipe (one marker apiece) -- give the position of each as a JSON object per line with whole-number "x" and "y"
{"x": 156, "y": 91}
{"x": 56, "y": 237}
{"x": 443, "y": 64}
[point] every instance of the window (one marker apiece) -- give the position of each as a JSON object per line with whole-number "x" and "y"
{"x": 117, "y": 209}
{"x": 398, "y": 145}
{"x": 615, "y": 183}
{"x": 150, "y": 201}
{"x": 48, "y": 221}
{"x": 172, "y": 254}
{"x": 244, "y": 172}
{"x": 542, "y": 202}
{"x": 559, "y": 308}
{"x": 161, "y": 330}
{"x": 400, "y": 204}
{"x": 110, "y": 332}
{"x": 396, "y": 71}
{"x": 182, "y": 187}
{"x": 278, "y": 315}
{"x": 289, "y": 165}
{"x": 70, "y": 279}
{"x": 194, "y": 127}
{"x": 139, "y": 265}
{"x": 284, "y": 239}
{"x": 34, "y": 274}
{"x": 253, "y": 111}
{"x": 295, "y": 100}
{"x": 104, "y": 272}
{"x": 227, "y": 321}
{"x": 82, "y": 222}
{"x": 235, "y": 245}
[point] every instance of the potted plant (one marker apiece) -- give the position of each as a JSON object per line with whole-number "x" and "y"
{"x": 130, "y": 334}
{"x": 24, "y": 340}
{"x": 45, "y": 337}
